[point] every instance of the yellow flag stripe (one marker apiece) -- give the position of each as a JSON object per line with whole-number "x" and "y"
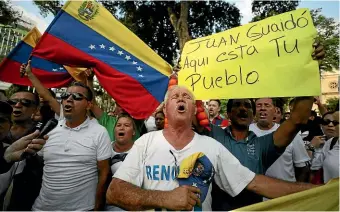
{"x": 106, "y": 25}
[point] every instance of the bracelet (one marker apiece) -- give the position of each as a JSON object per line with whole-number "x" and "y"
{"x": 310, "y": 147}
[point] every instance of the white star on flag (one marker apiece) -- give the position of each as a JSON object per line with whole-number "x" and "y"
{"x": 92, "y": 46}
{"x": 127, "y": 57}
{"x": 139, "y": 68}
{"x": 204, "y": 181}
{"x": 140, "y": 75}
{"x": 102, "y": 46}
{"x": 54, "y": 69}
{"x": 194, "y": 184}
{"x": 134, "y": 63}
{"x": 112, "y": 48}
{"x": 61, "y": 68}
{"x": 120, "y": 52}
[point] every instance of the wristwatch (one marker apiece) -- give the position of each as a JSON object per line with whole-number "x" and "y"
{"x": 310, "y": 147}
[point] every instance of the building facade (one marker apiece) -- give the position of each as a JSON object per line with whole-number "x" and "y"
{"x": 329, "y": 85}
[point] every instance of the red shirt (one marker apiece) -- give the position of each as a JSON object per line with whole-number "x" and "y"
{"x": 219, "y": 121}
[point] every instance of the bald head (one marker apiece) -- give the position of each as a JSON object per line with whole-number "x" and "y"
{"x": 179, "y": 106}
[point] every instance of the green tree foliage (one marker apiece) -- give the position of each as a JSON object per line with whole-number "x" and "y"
{"x": 328, "y": 36}
{"x": 332, "y": 104}
{"x": 159, "y": 23}
{"x": 265, "y": 9}
{"x": 48, "y": 7}
{"x": 7, "y": 14}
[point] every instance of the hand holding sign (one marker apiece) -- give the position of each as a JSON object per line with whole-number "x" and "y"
{"x": 269, "y": 58}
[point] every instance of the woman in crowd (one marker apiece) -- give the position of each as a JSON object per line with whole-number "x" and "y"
{"x": 326, "y": 158}
{"x": 124, "y": 133}
{"x": 159, "y": 120}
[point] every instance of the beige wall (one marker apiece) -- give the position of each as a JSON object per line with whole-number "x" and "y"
{"x": 329, "y": 85}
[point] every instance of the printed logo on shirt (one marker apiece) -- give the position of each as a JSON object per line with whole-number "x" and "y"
{"x": 161, "y": 172}
{"x": 251, "y": 149}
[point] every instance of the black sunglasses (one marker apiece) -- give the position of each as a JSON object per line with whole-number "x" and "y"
{"x": 24, "y": 102}
{"x": 75, "y": 96}
{"x": 327, "y": 122}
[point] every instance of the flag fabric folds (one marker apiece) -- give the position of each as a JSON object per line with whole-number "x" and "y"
{"x": 323, "y": 198}
{"x": 49, "y": 73}
{"x": 85, "y": 34}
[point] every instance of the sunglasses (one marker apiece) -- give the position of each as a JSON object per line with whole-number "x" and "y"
{"x": 327, "y": 122}
{"x": 75, "y": 96}
{"x": 24, "y": 102}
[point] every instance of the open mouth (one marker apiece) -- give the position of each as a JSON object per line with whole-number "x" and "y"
{"x": 263, "y": 115}
{"x": 17, "y": 113}
{"x": 181, "y": 107}
{"x": 121, "y": 134}
{"x": 242, "y": 116}
{"x": 68, "y": 108}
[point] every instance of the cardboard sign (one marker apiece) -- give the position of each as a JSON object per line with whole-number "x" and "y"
{"x": 268, "y": 58}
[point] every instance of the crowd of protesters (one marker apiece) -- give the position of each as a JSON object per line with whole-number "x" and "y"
{"x": 93, "y": 160}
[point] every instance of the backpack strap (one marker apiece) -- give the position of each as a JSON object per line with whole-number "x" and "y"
{"x": 333, "y": 142}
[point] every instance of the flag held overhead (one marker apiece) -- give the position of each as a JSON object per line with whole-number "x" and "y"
{"x": 50, "y": 74}
{"x": 85, "y": 34}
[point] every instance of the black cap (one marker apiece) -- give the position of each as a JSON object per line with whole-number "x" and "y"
{"x": 5, "y": 109}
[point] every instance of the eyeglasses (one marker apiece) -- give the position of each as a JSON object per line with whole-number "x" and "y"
{"x": 24, "y": 102}
{"x": 176, "y": 164}
{"x": 327, "y": 122}
{"x": 75, "y": 96}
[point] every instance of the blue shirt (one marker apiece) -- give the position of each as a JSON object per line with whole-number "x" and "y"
{"x": 255, "y": 153}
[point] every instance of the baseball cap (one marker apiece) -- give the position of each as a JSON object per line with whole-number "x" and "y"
{"x": 197, "y": 170}
{"x": 6, "y": 110}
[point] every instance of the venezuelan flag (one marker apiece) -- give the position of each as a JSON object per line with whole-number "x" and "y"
{"x": 85, "y": 34}
{"x": 49, "y": 73}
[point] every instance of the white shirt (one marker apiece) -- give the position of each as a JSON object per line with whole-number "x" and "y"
{"x": 150, "y": 124}
{"x": 150, "y": 165}
{"x": 328, "y": 160}
{"x": 70, "y": 172}
{"x": 116, "y": 163}
{"x": 294, "y": 155}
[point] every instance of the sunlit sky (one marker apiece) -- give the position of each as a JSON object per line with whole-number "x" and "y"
{"x": 329, "y": 9}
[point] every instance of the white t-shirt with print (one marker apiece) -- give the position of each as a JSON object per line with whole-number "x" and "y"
{"x": 294, "y": 155}
{"x": 70, "y": 174}
{"x": 114, "y": 168}
{"x": 328, "y": 159}
{"x": 152, "y": 161}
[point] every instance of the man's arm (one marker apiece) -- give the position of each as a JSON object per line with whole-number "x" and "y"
{"x": 131, "y": 197}
{"x": 42, "y": 91}
{"x": 96, "y": 110}
{"x": 321, "y": 107}
{"x": 103, "y": 173}
{"x": 273, "y": 188}
{"x": 285, "y": 134}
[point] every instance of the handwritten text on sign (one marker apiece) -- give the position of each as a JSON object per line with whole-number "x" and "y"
{"x": 269, "y": 58}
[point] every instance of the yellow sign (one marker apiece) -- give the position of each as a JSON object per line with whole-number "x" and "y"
{"x": 269, "y": 58}
{"x": 323, "y": 198}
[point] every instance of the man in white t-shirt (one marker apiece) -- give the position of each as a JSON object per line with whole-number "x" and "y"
{"x": 76, "y": 158}
{"x": 292, "y": 165}
{"x": 155, "y": 174}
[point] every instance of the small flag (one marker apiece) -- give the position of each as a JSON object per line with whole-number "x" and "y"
{"x": 50, "y": 74}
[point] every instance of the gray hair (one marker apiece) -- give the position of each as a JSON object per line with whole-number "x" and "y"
{"x": 166, "y": 97}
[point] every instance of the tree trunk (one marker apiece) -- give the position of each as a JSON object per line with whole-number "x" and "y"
{"x": 180, "y": 24}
